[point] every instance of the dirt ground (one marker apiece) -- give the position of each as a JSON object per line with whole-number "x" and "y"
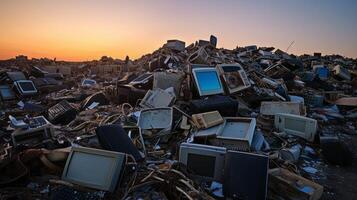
{"x": 340, "y": 183}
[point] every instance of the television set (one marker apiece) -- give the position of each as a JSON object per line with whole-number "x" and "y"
{"x": 94, "y": 168}
{"x": 204, "y": 161}
{"x": 296, "y": 125}
{"x": 245, "y": 176}
{"x": 236, "y": 133}
{"x": 234, "y": 77}
{"x": 207, "y": 81}
{"x": 6, "y": 93}
{"x": 25, "y": 87}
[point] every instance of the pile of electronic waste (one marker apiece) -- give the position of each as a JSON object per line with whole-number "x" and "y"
{"x": 193, "y": 122}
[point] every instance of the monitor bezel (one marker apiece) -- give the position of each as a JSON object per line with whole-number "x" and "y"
{"x": 111, "y": 184}
{"x": 205, "y": 150}
{"x": 240, "y": 71}
{"x": 19, "y": 87}
{"x": 208, "y": 92}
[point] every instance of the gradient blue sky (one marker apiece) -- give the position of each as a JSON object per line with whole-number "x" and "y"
{"x": 88, "y": 29}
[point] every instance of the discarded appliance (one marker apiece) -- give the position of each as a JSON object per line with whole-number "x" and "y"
{"x": 245, "y": 176}
{"x": 157, "y": 98}
{"x": 38, "y": 121}
{"x": 314, "y": 100}
{"x": 199, "y": 57}
{"x": 225, "y": 105}
{"x": 14, "y": 123}
{"x": 94, "y": 168}
{"x": 236, "y": 133}
{"x": 341, "y": 73}
{"x": 61, "y": 113}
{"x": 291, "y": 154}
{"x": 143, "y": 81}
{"x": 164, "y": 80}
{"x": 274, "y": 107}
{"x": 176, "y": 45}
{"x": 211, "y": 132}
{"x": 130, "y": 94}
{"x": 6, "y": 93}
{"x": 296, "y": 125}
{"x": 25, "y": 87}
{"x": 114, "y": 138}
{"x": 321, "y": 71}
{"x": 213, "y": 40}
{"x": 16, "y": 76}
{"x": 88, "y": 82}
{"x": 207, "y": 120}
{"x": 154, "y": 118}
{"x": 234, "y": 77}
{"x": 207, "y": 81}
{"x": 291, "y": 186}
{"x": 31, "y": 136}
{"x": 205, "y": 161}
{"x": 99, "y": 98}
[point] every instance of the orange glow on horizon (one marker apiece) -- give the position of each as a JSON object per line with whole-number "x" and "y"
{"x": 83, "y": 30}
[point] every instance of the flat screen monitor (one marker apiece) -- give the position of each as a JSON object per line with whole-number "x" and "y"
{"x": 25, "y": 87}
{"x": 245, "y": 176}
{"x": 207, "y": 81}
{"x": 204, "y": 161}
{"x": 94, "y": 168}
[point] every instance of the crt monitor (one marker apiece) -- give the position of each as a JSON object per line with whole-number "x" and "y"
{"x": 206, "y": 162}
{"x": 25, "y": 87}
{"x": 94, "y": 168}
{"x": 207, "y": 81}
{"x": 297, "y": 125}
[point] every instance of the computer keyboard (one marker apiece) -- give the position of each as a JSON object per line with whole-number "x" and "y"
{"x": 63, "y": 192}
{"x": 37, "y": 121}
{"x": 61, "y": 112}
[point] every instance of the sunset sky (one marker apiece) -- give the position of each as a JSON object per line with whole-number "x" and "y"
{"x": 88, "y": 29}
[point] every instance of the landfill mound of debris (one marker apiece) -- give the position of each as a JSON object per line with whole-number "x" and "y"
{"x": 185, "y": 122}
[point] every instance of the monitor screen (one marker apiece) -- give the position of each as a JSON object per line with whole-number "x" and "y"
{"x": 85, "y": 168}
{"x": 202, "y": 165}
{"x": 27, "y": 86}
{"x": 295, "y": 124}
{"x": 208, "y": 81}
{"x": 94, "y": 168}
